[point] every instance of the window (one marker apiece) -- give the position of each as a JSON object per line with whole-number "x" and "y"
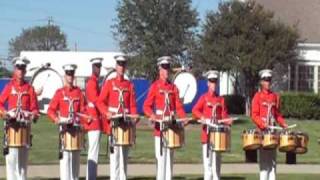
{"x": 305, "y": 78}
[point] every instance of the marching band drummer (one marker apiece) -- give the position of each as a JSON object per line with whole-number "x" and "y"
{"x": 117, "y": 93}
{"x": 260, "y": 103}
{"x": 65, "y": 104}
{"x": 156, "y": 100}
{"x": 93, "y": 126}
{"x": 203, "y": 111}
{"x": 18, "y": 94}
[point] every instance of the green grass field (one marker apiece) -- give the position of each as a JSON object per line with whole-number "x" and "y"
{"x": 45, "y": 144}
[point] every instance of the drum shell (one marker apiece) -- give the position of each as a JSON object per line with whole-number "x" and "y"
{"x": 288, "y": 142}
{"x": 18, "y": 135}
{"x": 220, "y": 138}
{"x": 73, "y": 139}
{"x": 302, "y": 143}
{"x": 124, "y": 134}
{"x": 174, "y": 136}
{"x": 270, "y": 140}
{"x": 251, "y": 139}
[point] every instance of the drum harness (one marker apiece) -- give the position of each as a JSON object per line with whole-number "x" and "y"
{"x": 269, "y": 120}
{"x": 19, "y": 115}
{"x": 121, "y": 105}
{"x": 74, "y": 122}
{"x": 170, "y": 120}
{"x": 213, "y": 120}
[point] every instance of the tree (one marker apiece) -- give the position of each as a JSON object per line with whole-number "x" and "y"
{"x": 149, "y": 29}
{"x": 46, "y": 38}
{"x": 243, "y": 38}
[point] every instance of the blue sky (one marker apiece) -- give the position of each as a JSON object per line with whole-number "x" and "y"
{"x": 86, "y": 23}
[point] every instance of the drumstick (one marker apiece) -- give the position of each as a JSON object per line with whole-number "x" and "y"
{"x": 208, "y": 124}
{"x": 185, "y": 92}
{"x": 127, "y": 115}
{"x": 85, "y": 116}
{"x": 228, "y": 119}
{"x": 40, "y": 90}
{"x": 280, "y": 128}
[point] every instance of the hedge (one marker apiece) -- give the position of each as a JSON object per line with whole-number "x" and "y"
{"x": 300, "y": 105}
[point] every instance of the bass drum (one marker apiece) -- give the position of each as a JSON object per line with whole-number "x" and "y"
{"x": 45, "y": 82}
{"x": 112, "y": 74}
{"x": 187, "y": 85}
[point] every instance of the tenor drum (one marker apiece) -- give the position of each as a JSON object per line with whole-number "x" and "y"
{"x": 73, "y": 139}
{"x": 220, "y": 138}
{"x": 125, "y": 134}
{"x": 174, "y": 136}
{"x": 187, "y": 85}
{"x": 288, "y": 141}
{"x": 252, "y": 139}
{"x": 18, "y": 135}
{"x": 270, "y": 140}
{"x": 302, "y": 143}
{"x": 45, "y": 82}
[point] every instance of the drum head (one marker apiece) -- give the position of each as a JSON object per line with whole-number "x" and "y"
{"x": 187, "y": 85}
{"x": 46, "y": 82}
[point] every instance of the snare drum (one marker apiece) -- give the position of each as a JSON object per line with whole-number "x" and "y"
{"x": 18, "y": 135}
{"x": 174, "y": 136}
{"x": 252, "y": 139}
{"x": 73, "y": 139}
{"x": 270, "y": 140}
{"x": 302, "y": 143}
{"x": 288, "y": 141}
{"x": 125, "y": 134}
{"x": 220, "y": 138}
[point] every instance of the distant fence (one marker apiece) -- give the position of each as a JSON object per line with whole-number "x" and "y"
{"x": 142, "y": 88}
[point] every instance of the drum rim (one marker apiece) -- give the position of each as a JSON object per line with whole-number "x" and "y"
{"x": 44, "y": 69}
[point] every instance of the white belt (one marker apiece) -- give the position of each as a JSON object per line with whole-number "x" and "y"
{"x": 91, "y": 105}
{"x": 115, "y": 110}
{"x": 66, "y": 119}
{"x": 160, "y": 112}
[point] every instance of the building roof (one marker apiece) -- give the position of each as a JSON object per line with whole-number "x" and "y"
{"x": 304, "y": 13}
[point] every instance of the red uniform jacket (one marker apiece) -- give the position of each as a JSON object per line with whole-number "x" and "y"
{"x": 108, "y": 100}
{"x": 11, "y": 92}
{"x": 259, "y": 109}
{"x": 203, "y": 108}
{"x": 156, "y": 101}
{"x": 92, "y": 94}
{"x": 59, "y": 104}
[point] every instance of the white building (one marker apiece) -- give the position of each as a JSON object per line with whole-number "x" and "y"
{"x": 304, "y": 75}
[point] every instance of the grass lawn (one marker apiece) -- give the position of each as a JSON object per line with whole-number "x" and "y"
{"x": 45, "y": 144}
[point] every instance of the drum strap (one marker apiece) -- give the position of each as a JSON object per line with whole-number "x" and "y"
{"x": 70, "y": 102}
{"x": 18, "y": 113}
{"x": 121, "y": 92}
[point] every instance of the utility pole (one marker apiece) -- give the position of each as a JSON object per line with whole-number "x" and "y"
{"x": 50, "y": 22}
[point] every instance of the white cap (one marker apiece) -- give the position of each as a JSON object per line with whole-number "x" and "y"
{"x": 212, "y": 74}
{"x": 96, "y": 60}
{"x": 69, "y": 67}
{"x": 164, "y": 60}
{"x": 265, "y": 73}
{"x": 20, "y": 61}
{"x": 120, "y": 57}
